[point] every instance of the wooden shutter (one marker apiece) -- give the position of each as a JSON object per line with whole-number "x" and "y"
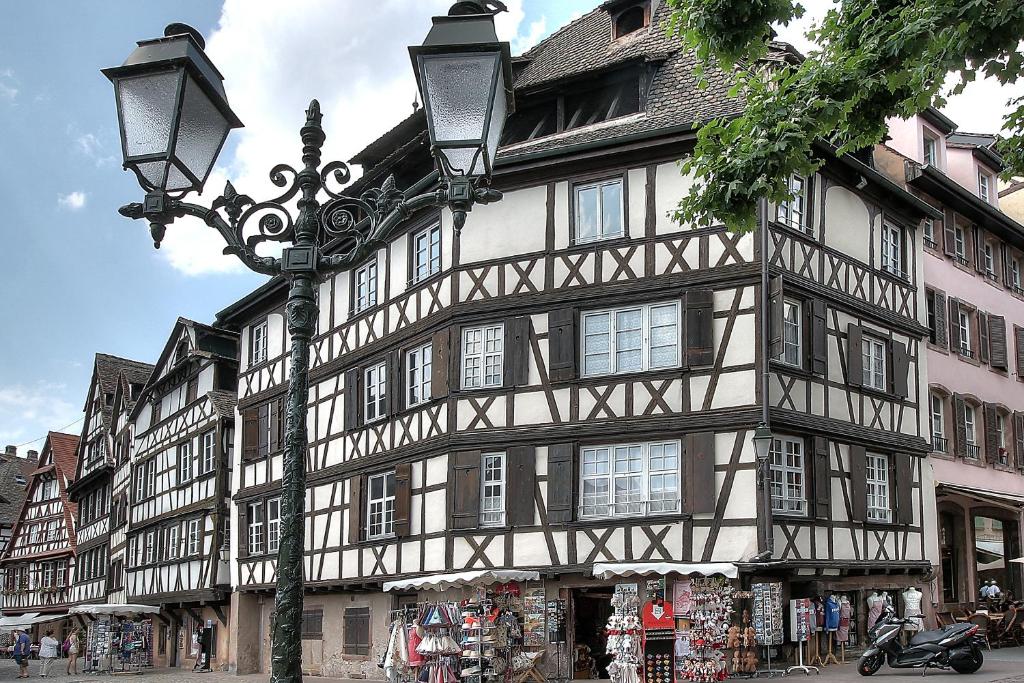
{"x": 1004, "y": 250}
{"x": 264, "y": 429}
{"x": 352, "y": 399}
{"x": 1018, "y": 344}
{"x": 394, "y": 388}
{"x": 192, "y": 390}
{"x": 978, "y": 248}
{"x": 900, "y": 369}
{"x": 949, "y": 233}
{"x": 819, "y": 337}
{"x": 561, "y": 483}
{"x": 243, "y": 530}
{"x": 1018, "y": 438}
{"x": 822, "y": 480}
{"x": 858, "y": 483}
{"x": 991, "y": 433}
{"x": 275, "y": 414}
{"x": 403, "y": 498}
{"x": 941, "y": 328}
{"x": 465, "y": 504}
{"x": 440, "y": 363}
{"x": 521, "y": 482}
{"x": 356, "y": 508}
{"x": 904, "y": 475}
{"x": 997, "y": 342}
{"x": 517, "y": 352}
{"x": 982, "y": 337}
{"x": 954, "y": 325}
{"x": 960, "y": 425}
{"x": 854, "y": 357}
{"x": 562, "y": 344}
{"x": 700, "y": 336}
{"x": 699, "y": 460}
{"x": 250, "y": 433}
{"x": 776, "y": 317}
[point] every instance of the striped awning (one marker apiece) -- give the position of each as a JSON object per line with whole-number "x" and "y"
{"x": 482, "y": 577}
{"x": 608, "y": 570}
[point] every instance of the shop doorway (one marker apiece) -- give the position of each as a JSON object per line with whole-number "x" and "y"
{"x": 591, "y": 609}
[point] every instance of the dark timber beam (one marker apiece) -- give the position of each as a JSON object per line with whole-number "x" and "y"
{"x": 220, "y": 615}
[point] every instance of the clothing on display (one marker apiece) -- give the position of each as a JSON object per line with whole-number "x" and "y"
{"x": 832, "y": 610}
{"x": 875, "y": 605}
{"x": 912, "y": 608}
{"x": 845, "y": 613}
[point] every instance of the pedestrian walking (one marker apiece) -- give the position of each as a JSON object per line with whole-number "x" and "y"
{"x": 198, "y": 650}
{"x": 22, "y": 651}
{"x": 72, "y": 647}
{"x": 47, "y": 653}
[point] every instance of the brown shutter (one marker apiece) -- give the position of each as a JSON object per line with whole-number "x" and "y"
{"x": 243, "y": 530}
{"x": 250, "y": 433}
{"x": 352, "y": 399}
{"x": 276, "y": 413}
{"x": 954, "y": 325}
{"x": 941, "y": 328}
{"x": 858, "y": 483}
{"x": 192, "y": 390}
{"x": 997, "y": 341}
{"x": 517, "y": 352}
{"x": 819, "y": 337}
{"x": 776, "y": 315}
{"x": 394, "y": 388}
{"x": 561, "y": 483}
{"x": 822, "y": 480}
{"x": 904, "y": 471}
{"x": 1004, "y": 250}
{"x": 403, "y": 498}
{"x": 562, "y": 344}
{"x": 900, "y": 369}
{"x": 982, "y": 337}
{"x": 465, "y": 477}
{"x": 264, "y": 427}
{"x": 978, "y": 248}
{"x": 699, "y": 462}
{"x": 519, "y": 499}
{"x": 1018, "y": 438}
{"x": 991, "y": 433}
{"x": 1018, "y": 343}
{"x": 854, "y": 355}
{"x": 960, "y": 425}
{"x": 356, "y": 508}
{"x": 440, "y": 350}
{"x": 949, "y": 233}
{"x": 700, "y": 337}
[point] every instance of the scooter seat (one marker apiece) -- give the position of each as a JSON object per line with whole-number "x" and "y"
{"x": 931, "y": 637}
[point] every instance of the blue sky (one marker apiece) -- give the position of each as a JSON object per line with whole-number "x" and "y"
{"x": 77, "y": 277}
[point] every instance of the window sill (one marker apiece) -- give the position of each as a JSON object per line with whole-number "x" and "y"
{"x": 417, "y": 283}
{"x": 783, "y": 366}
{"x": 882, "y": 393}
{"x": 801, "y": 230}
{"x": 592, "y": 380}
{"x": 603, "y": 243}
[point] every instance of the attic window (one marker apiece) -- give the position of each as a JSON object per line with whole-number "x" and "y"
{"x": 632, "y": 20}
{"x": 181, "y": 352}
{"x": 19, "y": 479}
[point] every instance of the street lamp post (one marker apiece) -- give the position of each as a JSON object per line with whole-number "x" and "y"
{"x": 174, "y": 119}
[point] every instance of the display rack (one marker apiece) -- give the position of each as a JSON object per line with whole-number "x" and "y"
{"x": 710, "y": 613}
{"x": 768, "y": 630}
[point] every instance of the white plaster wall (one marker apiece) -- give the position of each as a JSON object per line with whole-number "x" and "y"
{"x": 515, "y": 225}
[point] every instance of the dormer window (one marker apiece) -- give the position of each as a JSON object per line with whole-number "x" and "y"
{"x": 931, "y": 154}
{"x": 631, "y": 20}
{"x": 181, "y": 351}
{"x": 984, "y": 187}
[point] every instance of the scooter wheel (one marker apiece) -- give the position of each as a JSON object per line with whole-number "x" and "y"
{"x": 869, "y": 665}
{"x": 969, "y": 666}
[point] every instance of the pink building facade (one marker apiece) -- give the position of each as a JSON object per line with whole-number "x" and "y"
{"x": 975, "y": 362}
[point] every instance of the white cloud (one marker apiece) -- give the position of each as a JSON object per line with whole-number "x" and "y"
{"x": 524, "y": 41}
{"x": 29, "y": 412}
{"x": 92, "y": 147}
{"x": 8, "y": 85}
{"x": 73, "y": 201}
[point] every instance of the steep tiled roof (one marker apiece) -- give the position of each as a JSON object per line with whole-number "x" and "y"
{"x": 64, "y": 448}
{"x": 108, "y": 367}
{"x": 12, "y": 494}
{"x": 224, "y": 402}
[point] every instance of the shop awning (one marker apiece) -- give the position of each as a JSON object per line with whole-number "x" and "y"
{"x": 608, "y": 570}
{"x": 483, "y": 577}
{"x": 114, "y": 609}
{"x": 28, "y": 619}
{"x": 988, "y": 496}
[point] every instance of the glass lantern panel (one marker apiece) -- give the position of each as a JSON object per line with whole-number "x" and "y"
{"x": 460, "y": 158}
{"x": 153, "y": 172}
{"x": 176, "y": 180}
{"x": 458, "y": 94}
{"x": 201, "y": 131}
{"x": 497, "y": 123}
{"x": 147, "y": 111}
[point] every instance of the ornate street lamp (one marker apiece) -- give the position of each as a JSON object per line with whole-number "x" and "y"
{"x": 174, "y": 117}
{"x": 763, "y": 438}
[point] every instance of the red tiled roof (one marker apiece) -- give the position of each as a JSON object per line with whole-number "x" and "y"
{"x": 64, "y": 448}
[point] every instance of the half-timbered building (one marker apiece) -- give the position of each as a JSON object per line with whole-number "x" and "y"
{"x": 92, "y": 486}
{"x": 574, "y": 378}
{"x": 39, "y": 561}
{"x": 15, "y": 472}
{"x": 183, "y": 424}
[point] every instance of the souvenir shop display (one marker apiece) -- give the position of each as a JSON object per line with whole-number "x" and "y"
{"x": 912, "y": 608}
{"x": 802, "y": 623}
{"x": 556, "y": 621}
{"x": 844, "y": 635}
{"x": 659, "y": 637}
{"x": 768, "y": 612}
{"x": 830, "y": 609}
{"x": 625, "y": 636}
{"x": 533, "y": 617}
{"x": 706, "y": 626}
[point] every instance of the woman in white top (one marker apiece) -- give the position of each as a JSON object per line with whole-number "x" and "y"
{"x": 47, "y": 653}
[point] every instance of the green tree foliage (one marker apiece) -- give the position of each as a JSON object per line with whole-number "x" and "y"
{"x": 877, "y": 58}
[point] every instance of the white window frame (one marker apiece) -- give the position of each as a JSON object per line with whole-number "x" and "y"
{"x": 960, "y": 242}
{"x": 382, "y": 508}
{"x": 208, "y": 442}
{"x": 173, "y": 542}
{"x": 610, "y": 467}
{"x": 937, "y": 416}
{"x": 149, "y": 547}
{"x": 419, "y": 365}
{"x": 600, "y": 233}
{"x": 492, "y": 489}
{"x": 985, "y": 186}
{"x": 258, "y": 332}
{"x": 613, "y": 333}
{"x": 970, "y": 425}
{"x": 788, "y": 476}
{"x": 186, "y": 465}
{"x": 929, "y": 231}
{"x": 929, "y": 150}
{"x": 964, "y": 323}
{"x": 273, "y": 518}
{"x": 1015, "y": 273}
{"x": 879, "y": 505}
{"x": 256, "y": 540}
{"x": 194, "y": 537}
{"x": 364, "y": 287}
{"x": 46, "y": 491}
{"x": 426, "y": 252}
{"x": 989, "y": 253}
{"x": 892, "y": 249}
{"x": 873, "y": 355}
{"x": 375, "y": 392}
{"x": 483, "y": 356}
{"x": 793, "y": 210}
{"x": 792, "y": 352}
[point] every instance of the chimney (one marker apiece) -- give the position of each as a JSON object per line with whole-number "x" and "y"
{"x": 33, "y": 455}
{"x": 11, "y": 451}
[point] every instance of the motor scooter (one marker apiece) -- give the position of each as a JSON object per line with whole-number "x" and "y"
{"x": 954, "y": 647}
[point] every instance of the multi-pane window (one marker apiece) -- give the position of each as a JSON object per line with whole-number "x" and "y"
{"x": 145, "y": 479}
{"x": 599, "y": 212}
{"x": 375, "y": 392}
{"x": 983, "y": 186}
{"x": 629, "y": 480}
{"x": 418, "y": 369}
{"x": 257, "y": 540}
{"x": 929, "y": 233}
{"x": 791, "y": 332}
{"x": 930, "y": 156}
{"x": 1001, "y": 438}
{"x": 366, "y": 287}
{"x": 273, "y": 524}
{"x": 631, "y": 339}
{"x": 380, "y": 505}
{"x": 990, "y": 259}
{"x": 482, "y": 352}
{"x": 970, "y": 428}
{"x": 1015, "y": 273}
{"x": 185, "y": 461}
{"x": 207, "y": 453}
{"x": 426, "y": 249}
{"x": 787, "y": 476}
{"x": 873, "y": 355}
{"x": 195, "y": 536}
{"x": 149, "y": 547}
{"x": 929, "y": 302}
{"x": 892, "y": 250}
{"x": 173, "y": 542}
{"x": 878, "y": 488}
{"x": 792, "y": 211}
{"x": 960, "y": 243}
{"x": 964, "y": 323}
{"x": 492, "y": 489}
{"x": 936, "y": 413}
{"x": 49, "y": 486}
{"x": 258, "y": 333}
